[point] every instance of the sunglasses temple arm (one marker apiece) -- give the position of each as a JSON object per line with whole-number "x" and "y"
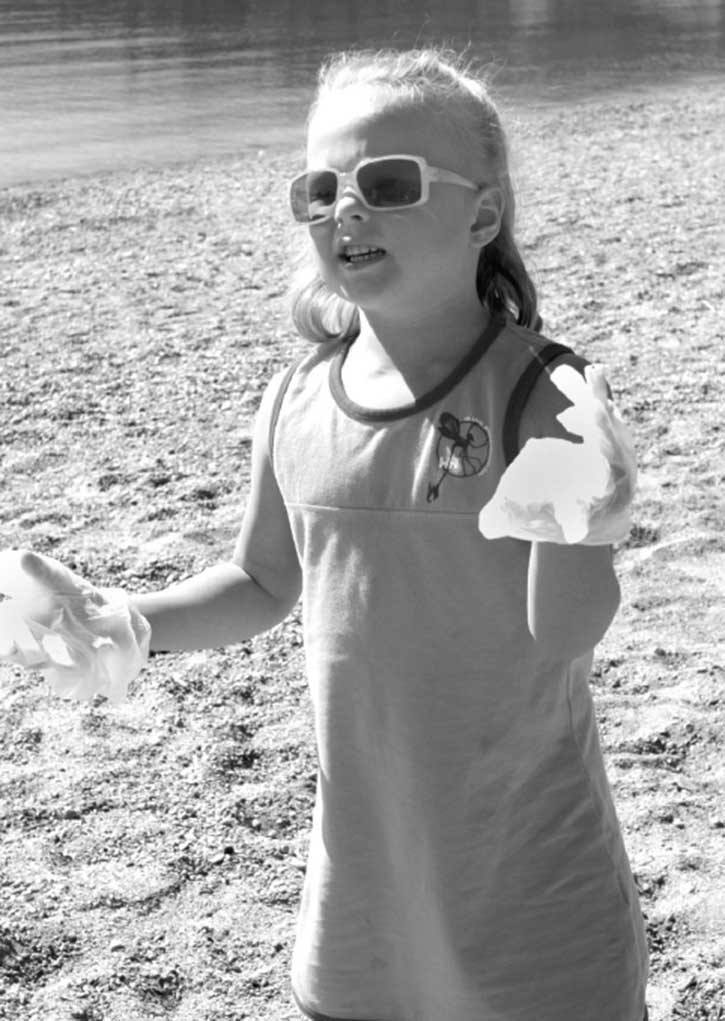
{"x": 450, "y": 177}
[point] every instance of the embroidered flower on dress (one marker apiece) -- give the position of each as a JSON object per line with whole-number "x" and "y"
{"x": 463, "y": 450}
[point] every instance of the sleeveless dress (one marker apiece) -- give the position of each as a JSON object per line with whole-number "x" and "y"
{"x": 466, "y": 862}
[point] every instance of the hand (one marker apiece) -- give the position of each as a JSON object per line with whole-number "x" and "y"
{"x": 564, "y": 492}
{"x": 83, "y": 640}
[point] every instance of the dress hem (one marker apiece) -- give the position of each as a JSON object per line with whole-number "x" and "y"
{"x": 315, "y": 1015}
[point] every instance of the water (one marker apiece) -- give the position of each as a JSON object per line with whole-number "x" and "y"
{"x": 96, "y": 84}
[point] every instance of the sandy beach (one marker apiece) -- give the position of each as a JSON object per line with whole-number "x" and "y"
{"x": 153, "y": 854}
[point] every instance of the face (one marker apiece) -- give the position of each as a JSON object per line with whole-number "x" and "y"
{"x": 403, "y": 261}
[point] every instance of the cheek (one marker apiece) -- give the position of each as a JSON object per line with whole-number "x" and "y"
{"x": 318, "y": 240}
{"x": 434, "y": 224}
{"x": 322, "y": 256}
{"x": 320, "y": 244}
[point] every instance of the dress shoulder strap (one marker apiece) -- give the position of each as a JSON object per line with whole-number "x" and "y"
{"x": 522, "y": 391}
{"x": 277, "y": 403}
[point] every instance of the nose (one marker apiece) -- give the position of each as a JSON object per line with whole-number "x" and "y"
{"x": 350, "y": 207}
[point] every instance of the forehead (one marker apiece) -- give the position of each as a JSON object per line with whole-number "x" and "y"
{"x": 355, "y": 123}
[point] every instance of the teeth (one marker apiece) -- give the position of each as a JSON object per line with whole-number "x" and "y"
{"x": 358, "y": 253}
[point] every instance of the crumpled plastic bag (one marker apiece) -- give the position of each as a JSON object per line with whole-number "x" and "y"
{"x": 565, "y": 492}
{"x": 85, "y": 641}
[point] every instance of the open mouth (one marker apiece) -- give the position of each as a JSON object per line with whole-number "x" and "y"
{"x": 354, "y": 255}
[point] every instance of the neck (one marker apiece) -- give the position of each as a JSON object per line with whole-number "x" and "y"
{"x": 422, "y": 348}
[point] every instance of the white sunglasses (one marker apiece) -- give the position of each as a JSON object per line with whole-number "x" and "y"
{"x": 383, "y": 182}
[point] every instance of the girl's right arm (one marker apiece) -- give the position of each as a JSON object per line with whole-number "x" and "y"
{"x": 253, "y": 591}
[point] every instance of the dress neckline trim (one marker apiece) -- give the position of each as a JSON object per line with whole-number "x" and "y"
{"x": 426, "y": 400}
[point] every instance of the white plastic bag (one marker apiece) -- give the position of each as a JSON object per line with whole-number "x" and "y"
{"x": 84, "y": 640}
{"x": 564, "y": 492}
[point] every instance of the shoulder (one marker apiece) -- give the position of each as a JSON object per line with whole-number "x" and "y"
{"x": 534, "y": 401}
{"x": 539, "y": 399}
{"x": 538, "y": 348}
{"x": 296, "y": 371}
{"x": 295, "y": 380}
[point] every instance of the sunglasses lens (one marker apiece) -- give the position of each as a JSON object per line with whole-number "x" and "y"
{"x": 390, "y": 182}
{"x": 312, "y": 194}
{"x": 384, "y": 184}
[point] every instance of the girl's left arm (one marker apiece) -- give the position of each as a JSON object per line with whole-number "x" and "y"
{"x": 572, "y": 597}
{"x": 572, "y": 591}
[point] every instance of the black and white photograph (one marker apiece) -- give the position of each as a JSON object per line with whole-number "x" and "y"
{"x": 362, "y": 510}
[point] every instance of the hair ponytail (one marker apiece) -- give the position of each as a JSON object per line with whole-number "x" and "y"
{"x": 503, "y": 283}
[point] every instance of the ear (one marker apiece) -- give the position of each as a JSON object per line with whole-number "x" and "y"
{"x": 489, "y": 210}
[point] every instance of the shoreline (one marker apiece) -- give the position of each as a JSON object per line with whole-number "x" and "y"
{"x": 517, "y": 102}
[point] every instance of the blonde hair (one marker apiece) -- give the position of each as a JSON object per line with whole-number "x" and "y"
{"x": 446, "y": 85}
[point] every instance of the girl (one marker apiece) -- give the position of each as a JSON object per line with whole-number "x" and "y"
{"x": 465, "y": 861}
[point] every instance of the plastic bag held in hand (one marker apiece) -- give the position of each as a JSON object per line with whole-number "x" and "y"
{"x": 564, "y": 492}
{"x": 85, "y": 641}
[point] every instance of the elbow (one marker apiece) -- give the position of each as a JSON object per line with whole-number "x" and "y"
{"x": 277, "y": 594}
{"x": 284, "y": 603}
{"x": 566, "y": 632}
{"x": 604, "y": 610}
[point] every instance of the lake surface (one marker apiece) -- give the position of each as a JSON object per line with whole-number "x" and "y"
{"x": 96, "y": 84}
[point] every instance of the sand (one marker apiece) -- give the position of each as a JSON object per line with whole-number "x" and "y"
{"x": 153, "y": 854}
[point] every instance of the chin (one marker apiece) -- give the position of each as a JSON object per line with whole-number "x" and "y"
{"x": 369, "y": 289}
